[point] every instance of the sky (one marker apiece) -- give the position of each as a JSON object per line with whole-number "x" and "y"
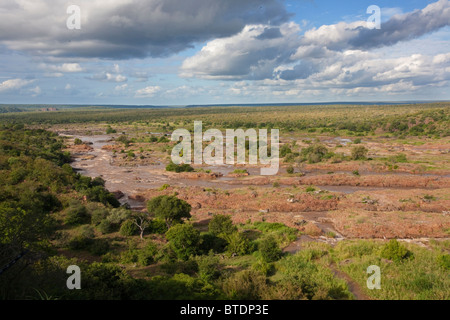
{"x": 183, "y": 52}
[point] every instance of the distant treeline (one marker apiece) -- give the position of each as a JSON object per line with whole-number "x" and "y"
{"x": 410, "y": 119}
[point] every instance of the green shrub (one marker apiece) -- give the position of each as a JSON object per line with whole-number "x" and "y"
{"x": 163, "y": 139}
{"x": 99, "y": 247}
{"x": 245, "y": 285}
{"x": 77, "y": 214}
{"x": 86, "y": 231}
{"x": 110, "y": 130}
{"x": 128, "y": 228}
{"x": 117, "y": 216}
{"x": 106, "y": 227}
{"x": 394, "y": 251}
{"x": 212, "y": 242}
{"x": 269, "y": 250}
{"x": 285, "y": 150}
{"x": 157, "y": 226}
{"x": 314, "y": 153}
{"x": 164, "y": 187}
{"x": 189, "y": 267}
{"x": 147, "y": 255}
{"x": 290, "y": 169}
{"x": 98, "y": 215}
{"x": 359, "y": 153}
{"x": 208, "y": 267}
{"x": 78, "y": 141}
{"x": 179, "y": 167}
{"x": 80, "y": 243}
{"x": 221, "y": 225}
{"x": 238, "y": 244}
{"x": 184, "y": 240}
{"x": 264, "y": 268}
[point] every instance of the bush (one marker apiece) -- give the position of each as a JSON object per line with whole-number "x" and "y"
{"x": 238, "y": 244}
{"x": 189, "y": 267}
{"x": 290, "y": 170}
{"x": 269, "y": 250}
{"x": 179, "y": 167}
{"x": 106, "y": 227}
{"x": 394, "y": 251}
{"x": 157, "y": 226}
{"x": 117, "y": 216}
{"x": 99, "y": 247}
{"x": 314, "y": 153}
{"x": 77, "y": 214}
{"x": 184, "y": 240}
{"x": 147, "y": 255}
{"x": 80, "y": 242}
{"x": 359, "y": 153}
{"x": 245, "y": 285}
{"x": 124, "y": 139}
{"x": 208, "y": 267}
{"x": 285, "y": 150}
{"x": 212, "y": 242}
{"x": 128, "y": 228}
{"x": 110, "y": 130}
{"x": 78, "y": 141}
{"x": 264, "y": 268}
{"x": 86, "y": 231}
{"x": 98, "y": 215}
{"x": 221, "y": 225}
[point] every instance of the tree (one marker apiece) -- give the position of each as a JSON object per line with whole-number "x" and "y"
{"x": 184, "y": 240}
{"x": 221, "y": 225}
{"x": 142, "y": 221}
{"x": 170, "y": 209}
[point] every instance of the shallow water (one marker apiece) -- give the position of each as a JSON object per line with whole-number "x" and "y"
{"x": 132, "y": 180}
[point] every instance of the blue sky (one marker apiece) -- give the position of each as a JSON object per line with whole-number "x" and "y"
{"x": 179, "y": 52}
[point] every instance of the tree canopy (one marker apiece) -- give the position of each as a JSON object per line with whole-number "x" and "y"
{"x": 170, "y": 209}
